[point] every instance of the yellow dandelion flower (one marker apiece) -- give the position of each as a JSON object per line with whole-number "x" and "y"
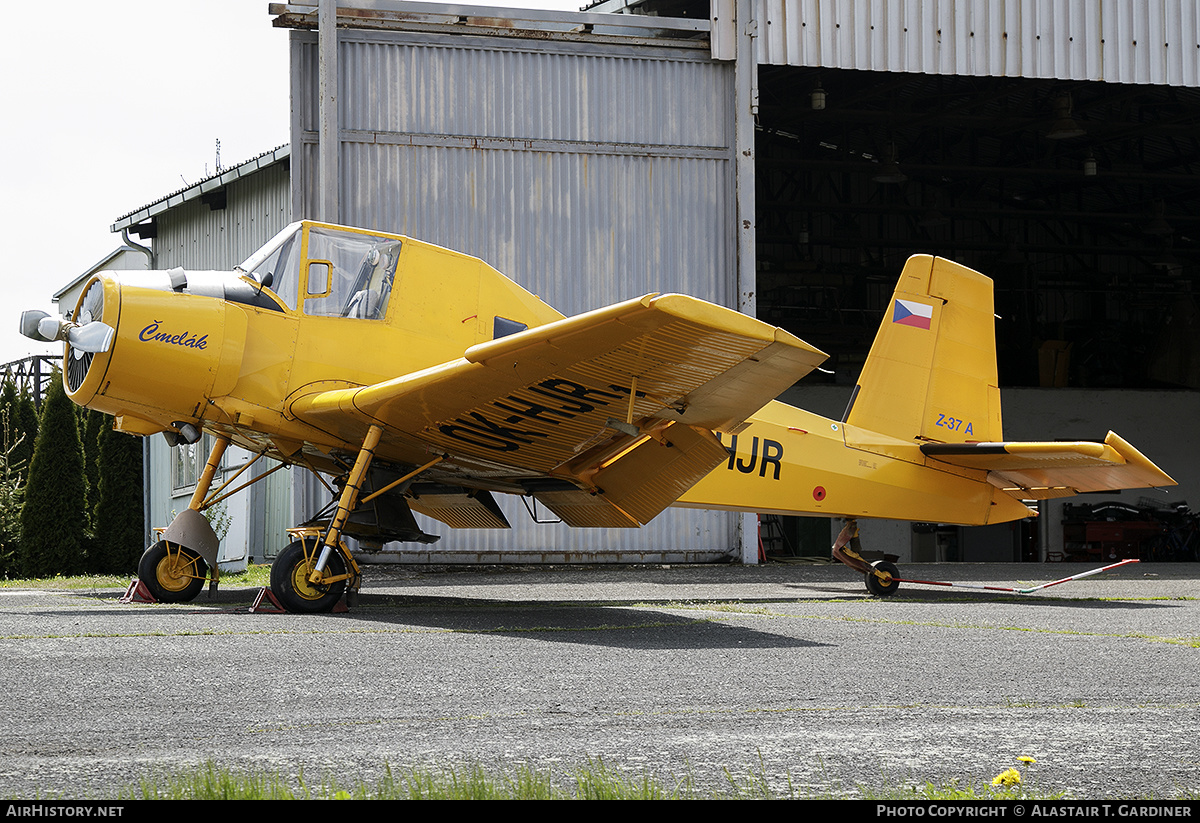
{"x": 1008, "y": 777}
{"x": 1026, "y": 759}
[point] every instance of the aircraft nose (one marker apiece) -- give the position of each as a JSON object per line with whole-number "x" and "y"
{"x": 88, "y": 336}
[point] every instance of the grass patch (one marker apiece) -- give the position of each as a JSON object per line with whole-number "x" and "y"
{"x": 594, "y": 780}
{"x": 76, "y": 582}
{"x": 253, "y": 576}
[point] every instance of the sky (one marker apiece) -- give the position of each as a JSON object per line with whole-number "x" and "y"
{"x": 110, "y": 106}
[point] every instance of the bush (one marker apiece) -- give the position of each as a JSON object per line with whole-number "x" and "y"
{"x": 11, "y": 499}
{"x": 119, "y": 526}
{"x": 25, "y": 430}
{"x": 54, "y": 517}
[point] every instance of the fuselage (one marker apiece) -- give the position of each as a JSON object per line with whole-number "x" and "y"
{"x": 793, "y": 462}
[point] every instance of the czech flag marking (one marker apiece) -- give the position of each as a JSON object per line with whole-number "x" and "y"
{"x": 910, "y": 313}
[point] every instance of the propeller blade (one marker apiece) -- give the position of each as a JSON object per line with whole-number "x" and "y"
{"x": 30, "y": 322}
{"x": 92, "y": 337}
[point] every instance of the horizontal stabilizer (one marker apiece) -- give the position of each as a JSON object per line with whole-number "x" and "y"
{"x": 1047, "y": 470}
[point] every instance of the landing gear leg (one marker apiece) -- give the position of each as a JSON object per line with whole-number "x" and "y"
{"x": 309, "y": 578}
{"x": 173, "y": 569}
{"x": 881, "y": 577}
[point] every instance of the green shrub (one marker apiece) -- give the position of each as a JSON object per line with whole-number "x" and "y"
{"x": 54, "y": 517}
{"x": 119, "y": 528}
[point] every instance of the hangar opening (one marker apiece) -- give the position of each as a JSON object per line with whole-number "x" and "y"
{"x": 1078, "y": 198}
{"x": 1050, "y": 145}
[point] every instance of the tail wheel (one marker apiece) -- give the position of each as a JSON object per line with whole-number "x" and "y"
{"x": 886, "y": 585}
{"x": 290, "y": 581}
{"x": 172, "y": 573}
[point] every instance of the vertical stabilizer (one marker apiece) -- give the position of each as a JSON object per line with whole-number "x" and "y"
{"x": 931, "y": 373}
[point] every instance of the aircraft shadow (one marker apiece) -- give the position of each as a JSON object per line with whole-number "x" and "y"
{"x": 599, "y": 624}
{"x": 593, "y": 624}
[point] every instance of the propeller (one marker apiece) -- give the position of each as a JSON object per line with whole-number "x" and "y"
{"x": 90, "y": 336}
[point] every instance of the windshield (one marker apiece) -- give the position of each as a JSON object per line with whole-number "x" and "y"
{"x": 277, "y": 264}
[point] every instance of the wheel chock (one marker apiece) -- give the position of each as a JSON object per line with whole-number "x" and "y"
{"x": 137, "y": 593}
{"x": 272, "y": 606}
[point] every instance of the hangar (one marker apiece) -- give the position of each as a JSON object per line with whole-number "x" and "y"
{"x": 783, "y": 157}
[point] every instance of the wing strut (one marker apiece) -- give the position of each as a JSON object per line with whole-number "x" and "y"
{"x": 408, "y": 476}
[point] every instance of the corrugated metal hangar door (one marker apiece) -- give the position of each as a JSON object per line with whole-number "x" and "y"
{"x": 589, "y": 172}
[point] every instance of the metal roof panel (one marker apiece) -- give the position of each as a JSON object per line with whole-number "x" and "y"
{"x": 211, "y": 183}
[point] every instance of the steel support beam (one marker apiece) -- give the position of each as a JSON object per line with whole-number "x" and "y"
{"x": 745, "y": 109}
{"x": 330, "y": 137}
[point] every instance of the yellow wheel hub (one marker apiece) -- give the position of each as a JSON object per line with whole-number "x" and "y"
{"x": 301, "y": 585}
{"x": 175, "y": 571}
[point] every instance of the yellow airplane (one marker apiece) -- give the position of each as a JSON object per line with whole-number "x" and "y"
{"x": 423, "y": 380}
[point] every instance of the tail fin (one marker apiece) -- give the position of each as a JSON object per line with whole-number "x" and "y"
{"x": 931, "y": 373}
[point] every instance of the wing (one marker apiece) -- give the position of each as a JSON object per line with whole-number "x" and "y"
{"x": 1040, "y": 471}
{"x": 606, "y": 417}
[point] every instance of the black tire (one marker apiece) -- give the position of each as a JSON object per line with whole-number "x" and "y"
{"x": 876, "y": 586}
{"x": 172, "y": 573}
{"x": 289, "y": 578}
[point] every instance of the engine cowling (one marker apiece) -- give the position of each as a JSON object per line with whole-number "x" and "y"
{"x": 172, "y": 352}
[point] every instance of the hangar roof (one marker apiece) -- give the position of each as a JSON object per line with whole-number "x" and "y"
{"x": 206, "y": 186}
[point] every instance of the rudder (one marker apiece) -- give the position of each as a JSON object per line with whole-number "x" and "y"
{"x": 931, "y": 372}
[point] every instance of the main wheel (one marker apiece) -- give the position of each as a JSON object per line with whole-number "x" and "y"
{"x": 172, "y": 573}
{"x": 876, "y": 586}
{"x": 290, "y": 583}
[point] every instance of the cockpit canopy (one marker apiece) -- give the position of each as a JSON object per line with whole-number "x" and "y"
{"x": 328, "y": 271}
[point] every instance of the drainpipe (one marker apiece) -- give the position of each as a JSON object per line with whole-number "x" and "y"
{"x": 132, "y": 246}
{"x": 147, "y": 518}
